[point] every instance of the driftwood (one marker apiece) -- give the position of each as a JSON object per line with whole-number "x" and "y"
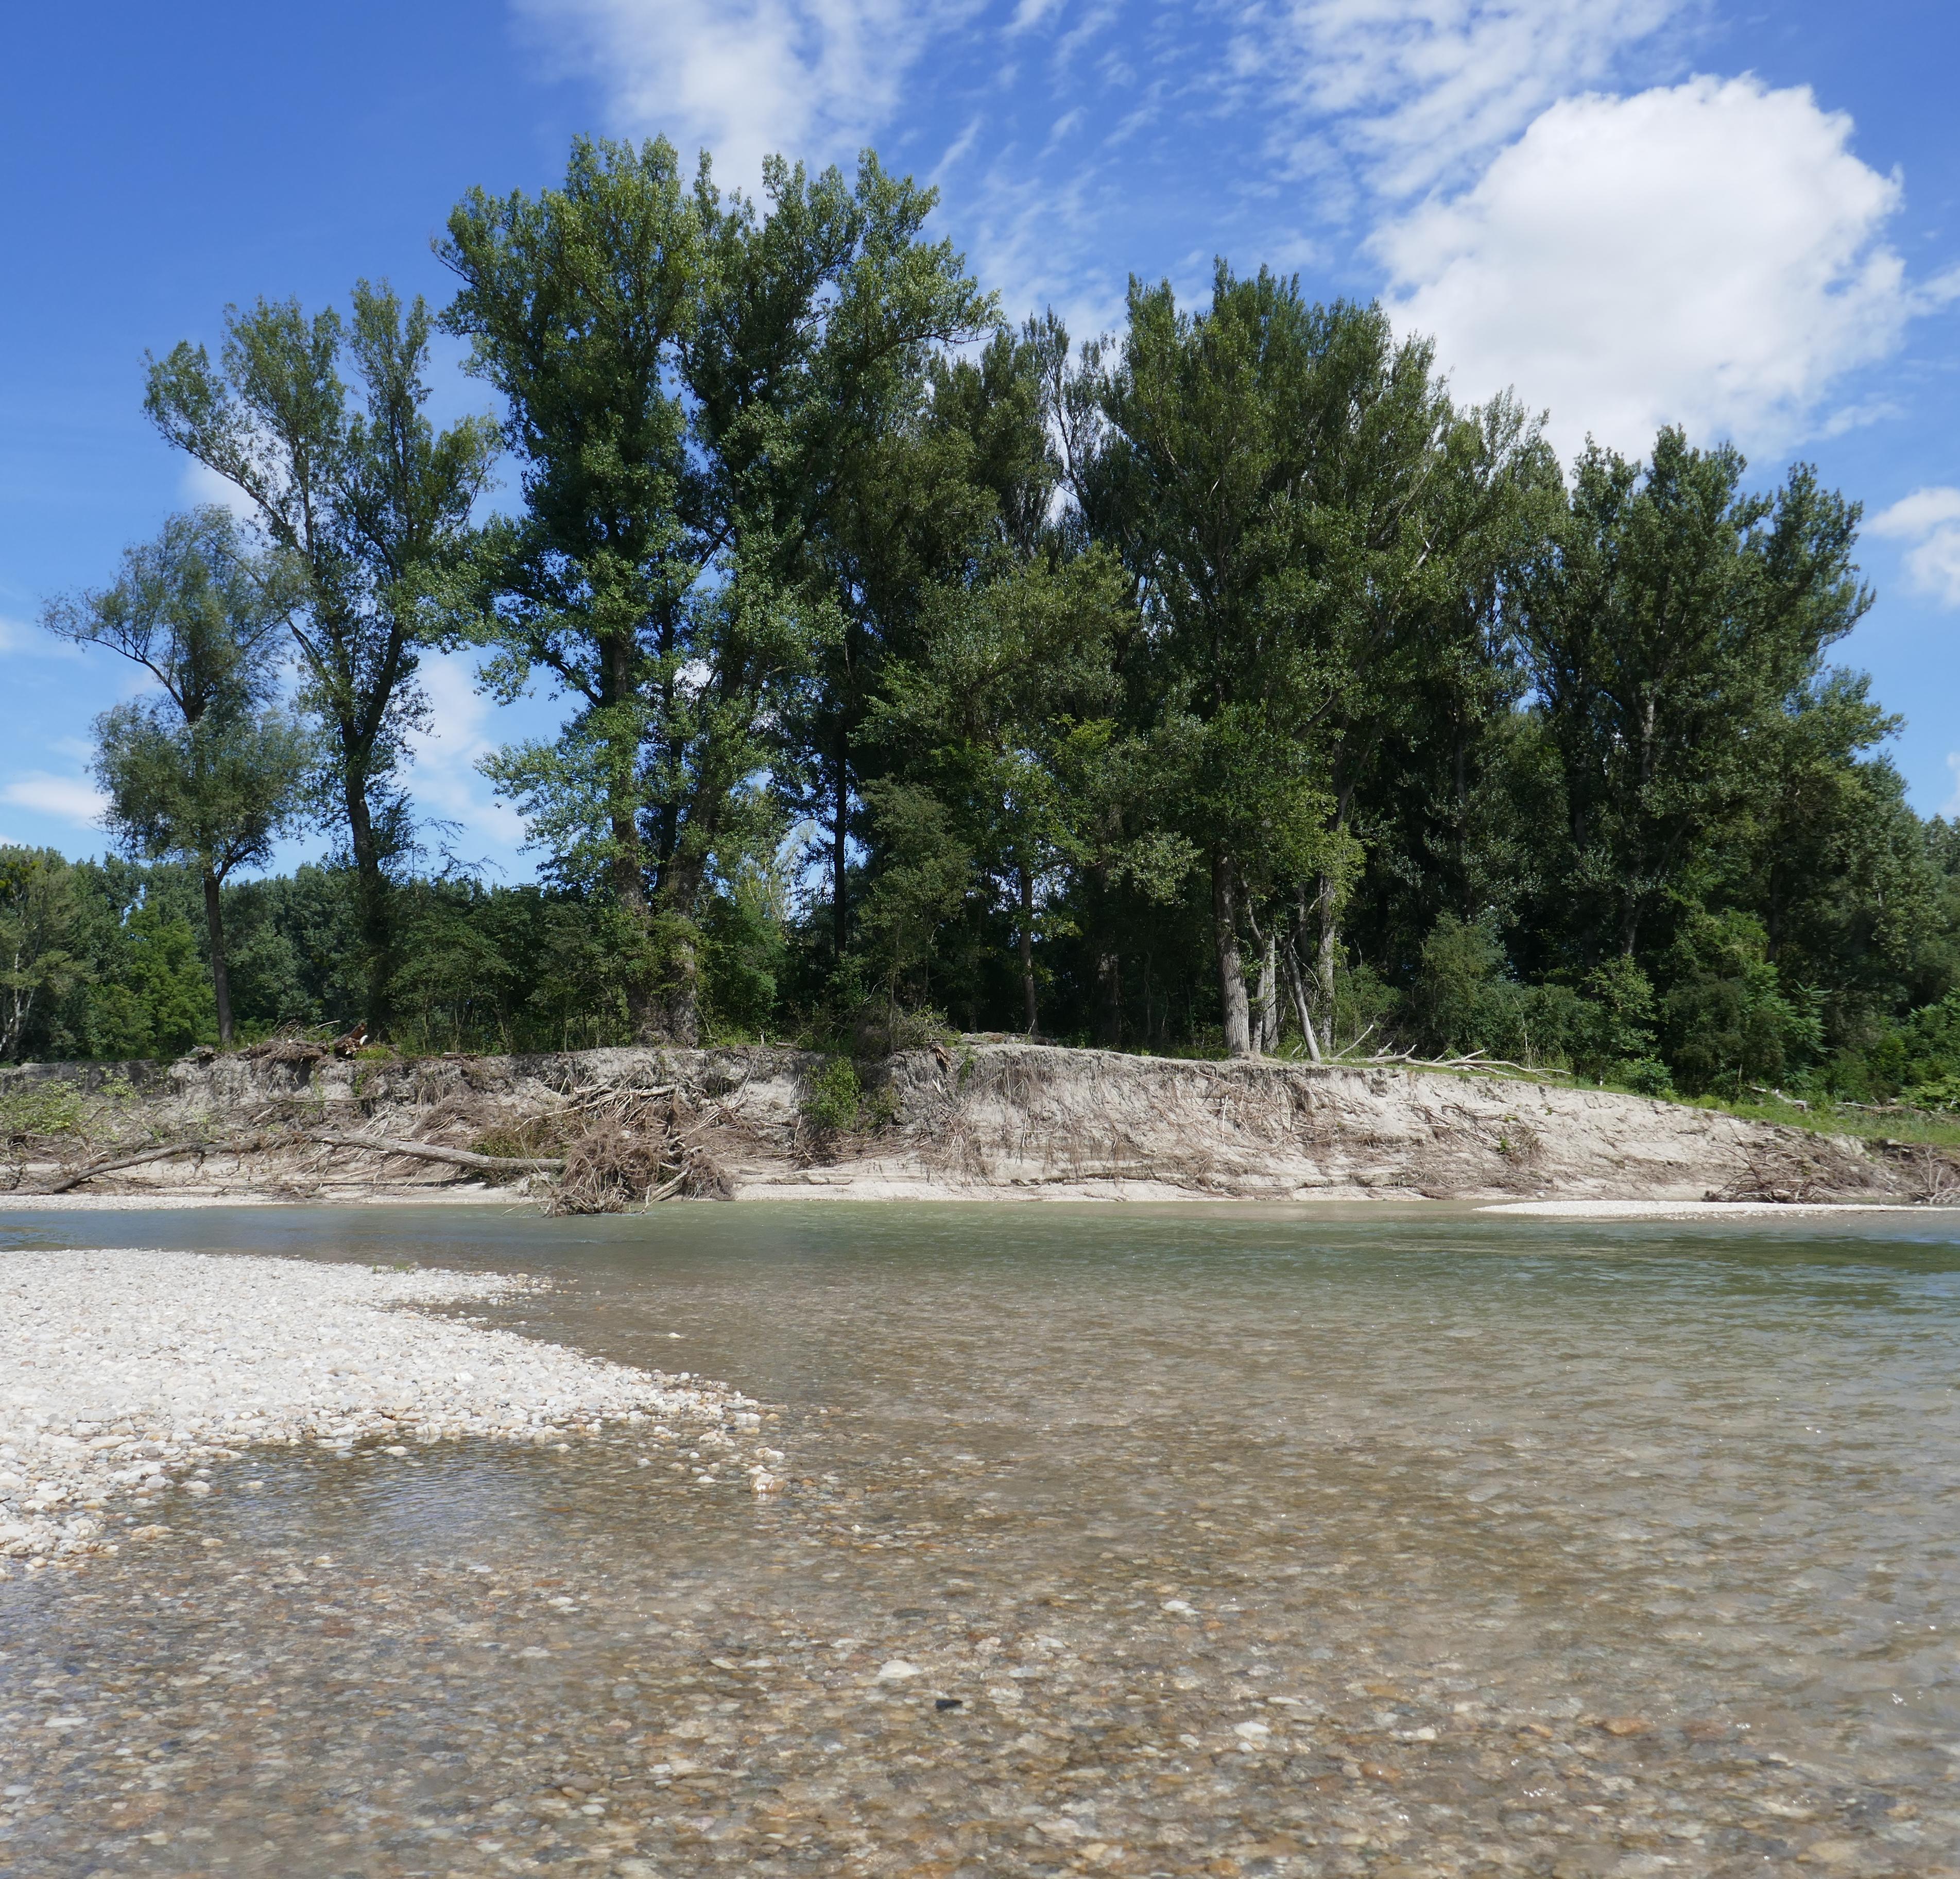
{"x": 455, "y": 1157}
{"x": 129, "y": 1161}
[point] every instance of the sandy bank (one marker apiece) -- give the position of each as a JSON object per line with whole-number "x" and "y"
{"x": 1710, "y": 1209}
{"x": 985, "y": 1118}
{"x": 125, "y": 1374}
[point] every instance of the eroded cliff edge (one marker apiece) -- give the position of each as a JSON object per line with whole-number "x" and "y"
{"x": 979, "y": 1120}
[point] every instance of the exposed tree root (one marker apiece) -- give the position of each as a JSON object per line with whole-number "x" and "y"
{"x": 637, "y": 1144}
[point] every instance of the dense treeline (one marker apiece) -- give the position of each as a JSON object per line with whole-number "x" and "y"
{"x": 1219, "y": 684}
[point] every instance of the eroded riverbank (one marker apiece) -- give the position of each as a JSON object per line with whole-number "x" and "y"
{"x": 989, "y": 1118}
{"x": 1359, "y": 1543}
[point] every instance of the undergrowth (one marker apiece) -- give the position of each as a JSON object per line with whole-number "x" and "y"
{"x": 49, "y": 1110}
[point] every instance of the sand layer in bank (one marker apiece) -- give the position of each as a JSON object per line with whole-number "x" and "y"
{"x": 125, "y": 1375}
{"x": 979, "y": 1119}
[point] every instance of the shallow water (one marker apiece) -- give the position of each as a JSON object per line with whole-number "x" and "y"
{"x": 1386, "y": 1541}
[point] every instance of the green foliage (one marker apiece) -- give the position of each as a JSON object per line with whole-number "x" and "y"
{"x": 209, "y": 772}
{"x": 673, "y": 364}
{"x": 1943, "y": 1093}
{"x": 38, "y": 938}
{"x": 836, "y": 1098}
{"x": 46, "y": 1108}
{"x": 1222, "y": 685}
{"x": 1728, "y": 1022}
{"x": 168, "y": 1006}
{"x": 368, "y": 508}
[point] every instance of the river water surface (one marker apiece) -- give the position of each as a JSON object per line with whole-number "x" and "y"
{"x": 1115, "y": 1540}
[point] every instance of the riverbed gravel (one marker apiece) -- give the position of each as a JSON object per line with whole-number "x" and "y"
{"x": 125, "y": 1374}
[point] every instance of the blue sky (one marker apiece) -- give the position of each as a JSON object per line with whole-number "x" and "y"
{"x": 1744, "y": 220}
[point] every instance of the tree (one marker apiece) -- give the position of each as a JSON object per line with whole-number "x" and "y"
{"x": 998, "y": 722}
{"x": 893, "y": 500}
{"x": 369, "y": 503}
{"x": 210, "y": 772}
{"x": 38, "y": 942}
{"x": 1665, "y": 622}
{"x": 1214, "y": 427}
{"x": 676, "y": 368}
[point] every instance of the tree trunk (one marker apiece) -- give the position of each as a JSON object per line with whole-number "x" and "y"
{"x": 1327, "y": 913}
{"x": 220, "y": 979}
{"x": 682, "y": 959}
{"x": 629, "y": 889}
{"x": 1297, "y": 980}
{"x": 1027, "y": 882}
{"x": 1109, "y": 999}
{"x": 840, "y": 852}
{"x": 1231, "y": 969}
{"x": 1267, "y": 1039}
{"x": 1109, "y": 963}
{"x": 370, "y": 904}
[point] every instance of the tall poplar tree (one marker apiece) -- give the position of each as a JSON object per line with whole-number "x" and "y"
{"x": 677, "y": 368}
{"x": 370, "y": 502}
{"x": 1668, "y": 619}
{"x": 209, "y": 772}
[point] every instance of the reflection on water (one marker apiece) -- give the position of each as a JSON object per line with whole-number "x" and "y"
{"x": 1127, "y": 1542}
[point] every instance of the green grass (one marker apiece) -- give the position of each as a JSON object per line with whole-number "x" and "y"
{"x": 1922, "y": 1127}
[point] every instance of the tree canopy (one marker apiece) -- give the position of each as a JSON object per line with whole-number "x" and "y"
{"x": 1221, "y": 683}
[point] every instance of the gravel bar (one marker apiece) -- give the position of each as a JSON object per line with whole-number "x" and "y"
{"x": 126, "y": 1372}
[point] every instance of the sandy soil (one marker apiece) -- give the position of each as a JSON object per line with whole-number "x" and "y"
{"x": 982, "y": 1119}
{"x": 1706, "y": 1209}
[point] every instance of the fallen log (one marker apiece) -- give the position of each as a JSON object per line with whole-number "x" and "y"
{"x": 128, "y": 1161}
{"x": 455, "y": 1157}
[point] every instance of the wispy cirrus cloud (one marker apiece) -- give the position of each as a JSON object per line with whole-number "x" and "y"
{"x": 72, "y": 799}
{"x": 1537, "y": 183}
{"x": 1413, "y": 91}
{"x": 743, "y": 78}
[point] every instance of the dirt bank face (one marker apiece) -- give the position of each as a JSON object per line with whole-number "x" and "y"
{"x": 985, "y": 1119}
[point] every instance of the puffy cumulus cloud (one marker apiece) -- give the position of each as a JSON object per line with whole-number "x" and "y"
{"x": 65, "y": 798}
{"x": 1929, "y": 520}
{"x": 1707, "y": 254}
{"x": 744, "y": 78}
{"x": 1414, "y": 88}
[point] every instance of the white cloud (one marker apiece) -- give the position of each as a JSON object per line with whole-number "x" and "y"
{"x": 1029, "y": 14}
{"x": 1707, "y": 254}
{"x": 1929, "y": 520}
{"x": 445, "y": 779}
{"x": 66, "y": 799}
{"x": 743, "y": 78}
{"x": 1414, "y": 89}
{"x": 201, "y": 486}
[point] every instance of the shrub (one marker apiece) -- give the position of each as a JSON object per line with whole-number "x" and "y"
{"x": 49, "y": 1110}
{"x": 834, "y": 1099}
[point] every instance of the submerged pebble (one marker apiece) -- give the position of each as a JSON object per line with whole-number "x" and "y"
{"x": 1195, "y": 1568}
{"x": 124, "y": 1372}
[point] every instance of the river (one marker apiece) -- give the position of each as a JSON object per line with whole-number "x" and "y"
{"x": 1373, "y": 1540}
